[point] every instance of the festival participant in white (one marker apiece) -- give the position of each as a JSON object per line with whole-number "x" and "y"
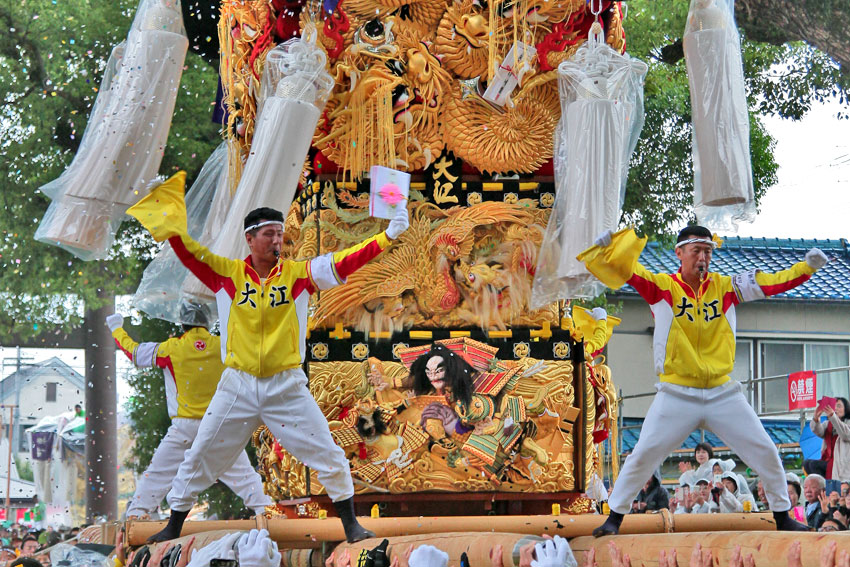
{"x": 694, "y": 352}
{"x": 262, "y": 303}
{"x": 191, "y": 365}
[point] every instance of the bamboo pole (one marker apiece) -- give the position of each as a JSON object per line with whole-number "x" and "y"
{"x": 308, "y": 533}
{"x": 768, "y": 548}
{"x": 683, "y": 523}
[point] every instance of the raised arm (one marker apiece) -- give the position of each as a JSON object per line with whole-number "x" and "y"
{"x": 613, "y": 259}
{"x": 332, "y": 269}
{"x": 816, "y": 426}
{"x": 755, "y": 284}
{"x": 213, "y": 271}
{"x": 599, "y": 336}
{"x": 142, "y": 355}
{"x": 163, "y": 213}
{"x": 841, "y": 428}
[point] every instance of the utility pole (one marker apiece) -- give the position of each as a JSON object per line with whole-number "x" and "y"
{"x": 14, "y": 424}
{"x": 101, "y": 415}
{"x": 9, "y": 462}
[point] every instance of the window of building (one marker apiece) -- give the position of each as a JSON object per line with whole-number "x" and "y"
{"x": 23, "y": 440}
{"x": 51, "y": 391}
{"x": 782, "y": 358}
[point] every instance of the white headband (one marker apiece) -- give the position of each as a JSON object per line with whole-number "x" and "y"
{"x": 701, "y": 240}
{"x": 262, "y": 224}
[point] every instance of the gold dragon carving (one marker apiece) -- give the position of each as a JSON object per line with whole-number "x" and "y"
{"x": 464, "y": 266}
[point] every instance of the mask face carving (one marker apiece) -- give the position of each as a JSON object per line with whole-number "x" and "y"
{"x": 435, "y": 370}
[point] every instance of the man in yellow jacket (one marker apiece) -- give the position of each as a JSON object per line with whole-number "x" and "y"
{"x": 262, "y": 305}
{"x": 191, "y": 366}
{"x": 694, "y": 352}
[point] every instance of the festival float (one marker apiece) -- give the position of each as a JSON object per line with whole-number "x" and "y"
{"x": 515, "y": 121}
{"x": 515, "y": 428}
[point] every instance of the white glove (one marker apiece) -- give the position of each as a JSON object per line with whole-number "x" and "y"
{"x": 599, "y": 313}
{"x": 114, "y": 321}
{"x": 427, "y": 556}
{"x": 553, "y": 553}
{"x": 816, "y": 259}
{"x": 221, "y": 548}
{"x": 400, "y": 221}
{"x": 256, "y": 549}
{"x": 603, "y": 239}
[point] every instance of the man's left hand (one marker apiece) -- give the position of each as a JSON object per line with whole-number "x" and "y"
{"x": 399, "y": 223}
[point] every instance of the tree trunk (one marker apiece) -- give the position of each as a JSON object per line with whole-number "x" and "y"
{"x": 824, "y": 24}
{"x": 101, "y": 415}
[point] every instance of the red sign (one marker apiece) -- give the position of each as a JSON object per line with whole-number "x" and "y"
{"x": 802, "y": 387}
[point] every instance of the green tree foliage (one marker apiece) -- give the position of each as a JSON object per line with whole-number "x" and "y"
{"x": 52, "y": 55}
{"x": 784, "y": 80}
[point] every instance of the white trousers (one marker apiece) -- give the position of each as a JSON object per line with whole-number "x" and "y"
{"x": 153, "y": 485}
{"x": 675, "y": 412}
{"x": 240, "y": 405}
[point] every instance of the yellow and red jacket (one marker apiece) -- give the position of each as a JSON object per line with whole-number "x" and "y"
{"x": 191, "y": 364}
{"x": 694, "y": 338}
{"x": 263, "y": 322}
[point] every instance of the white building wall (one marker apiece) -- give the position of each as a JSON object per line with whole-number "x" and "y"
{"x": 33, "y": 404}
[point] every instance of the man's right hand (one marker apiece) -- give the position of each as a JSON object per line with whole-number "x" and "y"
{"x": 114, "y": 321}
{"x": 599, "y": 313}
{"x": 603, "y": 239}
{"x": 816, "y": 259}
{"x": 824, "y": 501}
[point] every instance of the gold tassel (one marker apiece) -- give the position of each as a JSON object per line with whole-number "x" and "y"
{"x": 491, "y": 42}
{"x": 369, "y": 137}
{"x": 226, "y": 70}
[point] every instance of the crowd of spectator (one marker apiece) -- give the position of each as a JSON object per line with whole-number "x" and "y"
{"x": 710, "y": 485}
{"x": 30, "y": 547}
{"x": 556, "y": 553}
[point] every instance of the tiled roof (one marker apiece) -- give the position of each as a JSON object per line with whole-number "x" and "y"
{"x": 53, "y": 367}
{"x": 831, "y": 283}
{"x": 781, "y": 431}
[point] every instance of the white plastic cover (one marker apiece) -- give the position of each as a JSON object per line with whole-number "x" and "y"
{"x": 601, "y": 118}
{"x": 294, "y": 90}
{"x": 166, "y": 283}
{"x": 723, "y": 174}
{"x": 123, "y": 143}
